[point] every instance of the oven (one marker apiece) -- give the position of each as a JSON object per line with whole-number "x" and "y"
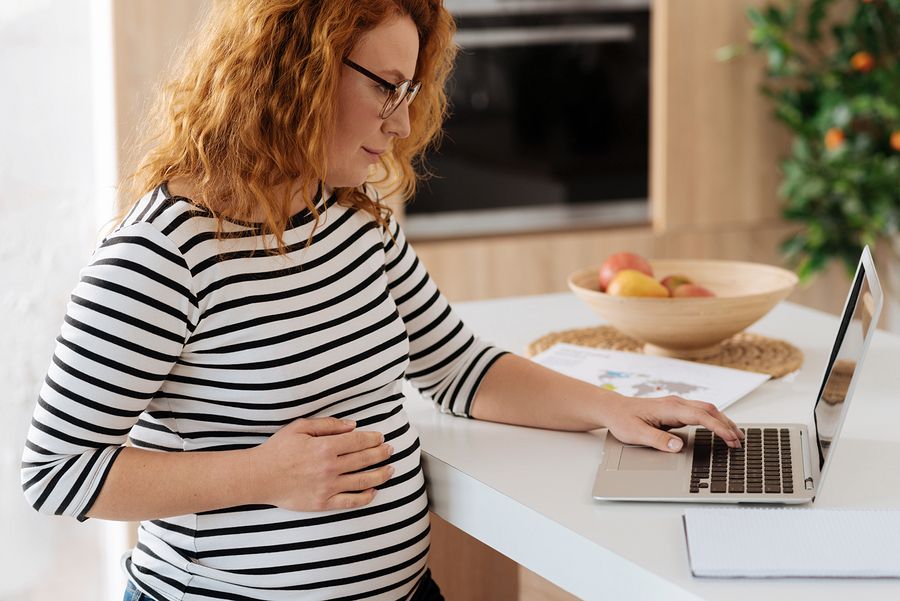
{"x": 549, "y": 120}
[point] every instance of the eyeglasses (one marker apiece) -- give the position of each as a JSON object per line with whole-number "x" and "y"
{"x": 396, "y": 91}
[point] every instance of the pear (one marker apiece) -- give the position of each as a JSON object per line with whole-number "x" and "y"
{"x": 630, "y": 282}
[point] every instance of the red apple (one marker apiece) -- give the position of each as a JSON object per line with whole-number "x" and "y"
{"x": 671, "y": 282}
{"x": 619, "y": 261}
{"x": 686, "y": 290}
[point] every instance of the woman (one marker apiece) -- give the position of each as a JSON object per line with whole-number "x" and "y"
{"x": 249, "y": 323}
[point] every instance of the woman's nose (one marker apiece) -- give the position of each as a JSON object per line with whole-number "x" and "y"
{"x": 397, "y": 122}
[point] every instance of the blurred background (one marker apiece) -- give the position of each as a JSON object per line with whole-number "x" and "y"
{"x": 579, "y": 128}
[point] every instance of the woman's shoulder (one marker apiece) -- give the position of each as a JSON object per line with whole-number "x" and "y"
{"x": 173, "y": 215}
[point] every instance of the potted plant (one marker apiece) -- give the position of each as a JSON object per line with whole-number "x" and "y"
{"x": 839, "y": 93}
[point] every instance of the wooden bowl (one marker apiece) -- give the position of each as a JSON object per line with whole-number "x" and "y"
{"x": 690, "y": 327}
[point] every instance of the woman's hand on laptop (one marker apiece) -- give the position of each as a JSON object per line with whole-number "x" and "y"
{"x": 643, "y": 421}
{"x": 518, "y": 391}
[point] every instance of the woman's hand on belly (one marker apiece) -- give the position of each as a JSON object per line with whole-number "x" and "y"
{"x": 320, "y": 464}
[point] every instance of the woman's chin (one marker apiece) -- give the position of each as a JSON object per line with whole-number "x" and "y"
{"x": 348, "y": 180}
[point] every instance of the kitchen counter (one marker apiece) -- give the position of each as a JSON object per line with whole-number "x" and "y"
{"x": 527, "y": 492}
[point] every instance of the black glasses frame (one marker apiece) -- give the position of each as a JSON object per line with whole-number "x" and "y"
{"x": 407, "y": 88}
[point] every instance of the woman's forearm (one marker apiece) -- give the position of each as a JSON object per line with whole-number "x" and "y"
{"x": 146, "y": 485}
{"x": 310, "y": 464}
{"x": 518, "y": 391}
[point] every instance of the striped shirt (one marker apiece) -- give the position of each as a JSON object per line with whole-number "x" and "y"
{"x": 180, "y": 341}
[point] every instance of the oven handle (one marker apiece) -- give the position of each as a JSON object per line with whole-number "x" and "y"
{"x": 509, "y": 36}
{"x": 478, "y": 8}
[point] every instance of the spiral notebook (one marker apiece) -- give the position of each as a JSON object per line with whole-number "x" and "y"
{"x": 780, "y": 543}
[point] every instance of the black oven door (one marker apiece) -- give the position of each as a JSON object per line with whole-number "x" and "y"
{"x": 549, "y": 109}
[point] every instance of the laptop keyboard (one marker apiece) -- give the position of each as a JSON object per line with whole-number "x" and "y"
{"x": 763, "y": 465}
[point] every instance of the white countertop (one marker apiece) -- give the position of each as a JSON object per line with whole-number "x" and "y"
{"x": 527, "y": 492}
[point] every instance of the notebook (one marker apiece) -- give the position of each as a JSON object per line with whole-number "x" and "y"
{"x": 780, "y": 463}
{"x": 782, "y": 542}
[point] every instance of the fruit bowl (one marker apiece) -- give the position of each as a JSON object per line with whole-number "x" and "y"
{"x": 690, "y": 327}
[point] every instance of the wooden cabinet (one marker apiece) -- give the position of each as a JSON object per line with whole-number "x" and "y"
{"x": 714, "y": 145}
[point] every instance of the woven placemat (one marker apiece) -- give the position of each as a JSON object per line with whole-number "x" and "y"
{"x": 750, "y": 352}
{"x": 838, "y": 382}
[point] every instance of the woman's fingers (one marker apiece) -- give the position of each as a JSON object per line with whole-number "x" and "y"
{"x": 651, "y": 436}
{"x": 348, "y": 500}
{"x": 360, "y": 460}
{"x": 715, "y": 412}
{"x": 322, "y": 426}
{"x": 351, "y": 442}
{"x": 689, "y": 413}
{"x": 361, "y": 481}
{"x": 726, "y": 432}
{"x": 652, "y": 417}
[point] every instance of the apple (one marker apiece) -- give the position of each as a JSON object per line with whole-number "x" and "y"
{"x": 671, "y": 282}
{"x": 688, "y": 290}
{"x": 630, "y": 282}
{"x": 619, "y": 261}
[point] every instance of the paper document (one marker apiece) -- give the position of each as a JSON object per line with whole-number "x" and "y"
{"x": 775, "y": 542}
{"x": 634, "y": 374}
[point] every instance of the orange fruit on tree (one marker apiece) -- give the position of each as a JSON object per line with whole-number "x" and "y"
{"x": 895, "y": 140}
{"x": 834, "y": 138}
{"x": 862, "y": 61}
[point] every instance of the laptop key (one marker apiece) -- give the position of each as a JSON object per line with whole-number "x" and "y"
{"x": 763, "y": 466}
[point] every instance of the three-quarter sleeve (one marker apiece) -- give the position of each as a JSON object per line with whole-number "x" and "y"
{"x": 125, "y": 326}
{"x": 447, "y": 362}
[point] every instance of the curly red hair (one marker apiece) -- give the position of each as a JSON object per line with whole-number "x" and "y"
{"x": 252, "y": 107}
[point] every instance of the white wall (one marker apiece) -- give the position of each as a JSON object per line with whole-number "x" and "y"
{"x": 48, "y": 212}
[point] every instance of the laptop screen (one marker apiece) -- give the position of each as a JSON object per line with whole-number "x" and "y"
{"x": 859, "y": 318}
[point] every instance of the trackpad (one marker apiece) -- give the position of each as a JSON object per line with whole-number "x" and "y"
{"x": 646, "y": 458}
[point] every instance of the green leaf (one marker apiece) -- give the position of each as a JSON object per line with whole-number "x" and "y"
{"x": 792, "y": 247}
{"x": 775, "y": 15}
{"x": 755, "y": 17}
{"x": 816, "y": 14}
{"x": 776, "y": 57}
{"x": 728, "y": 53}
{"x": 841, "y": 115}
{"x": 814, "y": 187}
{"x": 801, "y": 149}
{"x": 815, "y": 233}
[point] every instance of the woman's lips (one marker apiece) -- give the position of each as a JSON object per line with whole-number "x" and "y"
{"x": 374, "y": 155}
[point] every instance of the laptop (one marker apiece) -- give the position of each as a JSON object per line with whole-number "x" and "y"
{"x": 779, "y": 463}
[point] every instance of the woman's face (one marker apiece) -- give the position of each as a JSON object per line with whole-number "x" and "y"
{"x": 390, "y": 51}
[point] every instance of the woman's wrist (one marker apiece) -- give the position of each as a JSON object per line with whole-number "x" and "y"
{"x": 604, "y": 406}
{"x": 253, "y": 480}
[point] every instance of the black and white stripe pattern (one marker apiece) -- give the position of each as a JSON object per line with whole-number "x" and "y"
{"x": 184, "y": 342}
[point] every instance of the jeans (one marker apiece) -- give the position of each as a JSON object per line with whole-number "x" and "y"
{"x": 133, "y": 594}
{"x": 428, "y": 589}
